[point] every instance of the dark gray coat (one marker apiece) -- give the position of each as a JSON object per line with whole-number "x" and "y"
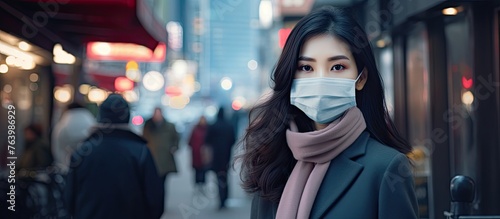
{"x": 220, "y": 137}
{"x": 113, "y": 175}
{"x": 367, "y": 180}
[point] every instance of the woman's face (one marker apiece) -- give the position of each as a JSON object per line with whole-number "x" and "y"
{"x": 326, "y": 56}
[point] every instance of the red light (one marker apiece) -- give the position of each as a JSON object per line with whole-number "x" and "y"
{"x": 283, "y": 35}
{"x": 137, "y": 120}
{"x": 125, "y": 52}
{"x": 123, "y": 84}
{"x": 173, "y": 91}
{"x": 236, "y": 105}
{"x": 466, "y": 83}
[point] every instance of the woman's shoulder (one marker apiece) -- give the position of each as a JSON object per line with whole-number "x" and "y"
{"x": 375, "y": 146}
{"x": 382, "y": 155}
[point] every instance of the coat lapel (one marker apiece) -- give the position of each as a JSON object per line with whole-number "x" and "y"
{"x": 340, "y": 175}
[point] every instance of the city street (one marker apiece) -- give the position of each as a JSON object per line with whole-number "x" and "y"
{"x": 422, "y": 77}
{"x": 183, "y": 203}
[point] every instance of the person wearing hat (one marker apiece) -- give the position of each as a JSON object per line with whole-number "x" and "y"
{"x": 112, "y": 173}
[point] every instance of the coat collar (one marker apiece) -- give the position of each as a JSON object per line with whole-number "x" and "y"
{"x": 114, "y": 132}
{"x": 343, "y": 171}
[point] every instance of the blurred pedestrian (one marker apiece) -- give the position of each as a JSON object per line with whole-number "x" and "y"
{"x": 221, "y": 137}
{"x": 36, "y": 155}
{"x": 199, "y": 156}
{"x": 73, "y": 127}
{"x": 112, "y": 173}
{"x": 310, "y": 152}
{"x": 163, "y": 141}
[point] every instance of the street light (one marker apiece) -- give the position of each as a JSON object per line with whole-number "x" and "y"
{"x": 266, "y": 13}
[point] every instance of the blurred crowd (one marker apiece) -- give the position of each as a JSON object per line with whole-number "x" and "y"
{"x": 101, "y": 168}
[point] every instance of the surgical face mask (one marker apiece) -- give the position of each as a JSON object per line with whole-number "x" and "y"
{"x": 323, "y": 99}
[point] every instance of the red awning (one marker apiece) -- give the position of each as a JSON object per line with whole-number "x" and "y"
{"x": 73, "y": 23}
{"x": 106, "y": 82}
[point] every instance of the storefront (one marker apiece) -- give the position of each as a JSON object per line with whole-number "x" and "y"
{"x": 25, "y": 83}
{"x": 57, "y": 33}
{"x": 447, "y": 96}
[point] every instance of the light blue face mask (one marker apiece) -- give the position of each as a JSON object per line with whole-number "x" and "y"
{"x": 323, "y": 99}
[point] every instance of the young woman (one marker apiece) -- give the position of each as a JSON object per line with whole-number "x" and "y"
{"x": 322, "y": 145}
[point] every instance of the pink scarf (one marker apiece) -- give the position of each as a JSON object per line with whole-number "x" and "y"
{"x": 314, "y": 151}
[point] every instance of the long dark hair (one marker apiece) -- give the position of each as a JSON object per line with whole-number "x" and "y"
{"x": 267, "y": 161}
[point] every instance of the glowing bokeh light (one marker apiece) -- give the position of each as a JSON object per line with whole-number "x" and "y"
{"x": 62, "y": 94}
{"x": 84, "y": 89}
{"x": 467, "y": 98}
{"x": 101, "y": 48}
{"x": 236, "y": 105}
{"x": 226, "y": 83}
{"x": 97, "y": 95}
{"x": 133, "y": 74}
{"x": 173, "y": 91}
{"x": 153, "y": 81}
{"x": 450, "y": 11}
{"x": 33, "y": 77}
{"x": 179, "y": 102}
{"x": 266, "y": 13}
{"x": 10, "y": 60}
{"x": 132, "y": 65}
{"x": 24, "y": 46}
{"x": 7, "y": 88}
{"x": 4, "y": 68}
{"x": 137, "y": 120}
{"x": 252, "y": 64}
{"x": 123, "y": 84}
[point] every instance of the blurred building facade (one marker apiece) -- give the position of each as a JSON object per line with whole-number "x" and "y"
{"x": 225, "y": 41}
{"x": 44, "y": 47}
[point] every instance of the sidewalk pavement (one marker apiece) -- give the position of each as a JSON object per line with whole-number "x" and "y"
{"x": 182, "y": 202}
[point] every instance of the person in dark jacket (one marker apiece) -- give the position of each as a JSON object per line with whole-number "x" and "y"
{"x": 163, "y": 142}
{"x": 112, "y": 174}
{"x": 221, "y": 137}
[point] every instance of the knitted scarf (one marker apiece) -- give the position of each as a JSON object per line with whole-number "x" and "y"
{"x": 314, "y": 151}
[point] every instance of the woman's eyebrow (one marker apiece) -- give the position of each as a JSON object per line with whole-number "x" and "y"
{"x": 305, "y": 58}
{"x": 333, "y": 58}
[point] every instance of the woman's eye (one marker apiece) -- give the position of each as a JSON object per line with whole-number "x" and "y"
{"x": 305, "y": 68}
{"x": 338, "y": 67}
